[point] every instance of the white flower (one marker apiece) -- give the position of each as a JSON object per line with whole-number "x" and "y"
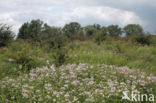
{"x": 54, "y": 100}
{"x": 20, "y": 66}
{"x": 75, "y": 99}
{"x": 11, "y": 60}
{"x": 48, "y": 97}
{"x": 76, "y": 82}
{"x": 47, "y": 62}
{"x": 67, "y": 96}
{"x": 91, "y": 83}
{"x": 25, "y": 95}
{"x": 38, "y": 91}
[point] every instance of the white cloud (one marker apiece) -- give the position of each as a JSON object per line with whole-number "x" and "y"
{"x": 102, "y": 14}
{"x": 8, "y": 18}
{"x": 60, "y": 12}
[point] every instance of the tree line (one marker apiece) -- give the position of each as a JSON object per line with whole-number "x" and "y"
{"x": 37, "y": 30}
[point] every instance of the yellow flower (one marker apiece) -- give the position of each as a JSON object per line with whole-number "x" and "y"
{"x": 3, "y": 74}
{"x": 10, "y": 102}
{"x": 38, "y": 51}
{"x": 4, "y": 49}
{"x": 23, "y": 49}
{"x": 19, "y": 72}
{"x": 65, "y": 47}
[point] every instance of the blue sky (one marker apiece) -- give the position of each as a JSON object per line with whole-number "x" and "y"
{"x": 60, "y": 12}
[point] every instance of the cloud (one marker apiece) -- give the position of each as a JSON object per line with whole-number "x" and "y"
{"x": 60, "y": 12}
{"x": 100, "y": 14}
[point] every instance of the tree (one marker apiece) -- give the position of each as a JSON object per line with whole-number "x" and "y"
{"x": 24, "y": 31}
{"x": 133, "y": 29}
{"x": 100, "y": 36}
{"x": 114, "y": 30}
{"x": 97, "y": 26}
{"x": 143, "y": 39}
{"x": 71, "y": 29}
{"x": 6, "y": 35}
{"x": 92, "y": 29}
{"x": 31, "y": 30}
{"x": 49, "y": 31}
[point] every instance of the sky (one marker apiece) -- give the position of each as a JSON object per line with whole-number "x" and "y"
{"x": 86, "y": 12}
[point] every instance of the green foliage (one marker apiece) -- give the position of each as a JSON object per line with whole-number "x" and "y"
{"x": 56, "y": 47}
{"x": 111, "y": 52}
{"x": 153, "y": 39}
{"x": 31, "y": 30}
{"x": 6, "y": 35}
{"x": 25, "y": 59}
{"x": 118, "y": 48}
{"x": 71, "y": 29}
{"x": 114, "y": 30}
{"x": 133, "y": 29}
{"x": 100, "y": 36}
{"x": 46, "y": 46}
{"x": 92, "y": 29}
{"x": 23, "y": 54}
{"x": 80, "y": 36}
{"x": 142, "y": 39}
{"x": 50, "y": 32}
{"x": 55, "y": 42}
{"x": 60, "y": 56}
{"x": 58, "y": 50}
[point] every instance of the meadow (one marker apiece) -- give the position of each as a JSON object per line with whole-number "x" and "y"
{"x": 89, "y": 73}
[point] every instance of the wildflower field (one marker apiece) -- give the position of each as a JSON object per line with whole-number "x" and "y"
{"x": 91, "y": 73}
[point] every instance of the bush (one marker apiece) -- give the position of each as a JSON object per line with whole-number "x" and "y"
{"x": 31, "y": 31}
{"x": 56, "y": 42}
{"x": 6, "y": 35}
{"x": 60, "y": 57}
{"x": 143, "y": 39}
{"x": 25, "y": 57}
{"x": 100, "y": 36}
{"x": 56, "y": 46}
{"x": 118, "y": 48}
{"x": 153, "y": 39}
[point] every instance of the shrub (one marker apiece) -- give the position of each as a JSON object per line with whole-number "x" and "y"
{"x": 6, "y": 35}
{"x": 133, "y": 29}
{"x": 56, "y": 46}
{"x": 118, "y": 48}
{"x": 153, "y": 39}
{"x": 90, "y": 30}
{"x": 56, "y": 42}
{"x": 23, "y": 56}
{"x": 100, "y": 36}
{"x": 114, "y": 30}
{"x": 143, "y": 39}
{"x": 50, "y": 31}
{"x": 31, "y": 31}
{"x": 71, "y": 29}
{"x": 60, "y": 57}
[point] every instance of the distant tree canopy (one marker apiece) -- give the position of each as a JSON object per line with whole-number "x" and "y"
{"x": 71, "y": 29}
{"x": 6, "y": 35}
{"x": 31, "y": 30}
{"x": 92, "y": 29}
{"x": 143, "y": 39}
{"x": 37, "y": 30}
{"x": 133, "y": 29}
{"x": 114, "y": 30}
{"x": 100, "y": 36}
{"x": 49, "y": 31}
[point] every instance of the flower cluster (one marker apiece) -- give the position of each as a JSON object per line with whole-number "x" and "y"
{"x": 74, "y": 84}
